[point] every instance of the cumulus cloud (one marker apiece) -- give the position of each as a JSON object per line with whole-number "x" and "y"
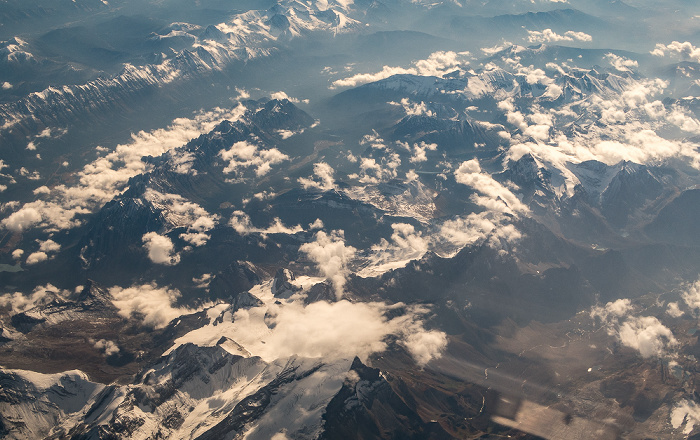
{"x": 425, "y": 346}
{"x": 414, "y": 109}
{"x": 17, "y": 254}
{"x": 107, "y": 347}
{"x": 489, "y": 51}
{"x": 331, "y": 256}
{"x": 419, "y": 152}
{"x": 646, "y": 334}
{"x": 161, "y": 249}
{"x": 148, "y": 303}
{"x": 477, "y": 227}
{"x": 364, "y": 78}
{"x": 102, "y": 179}
{"x": 691, "y": 296}
{"x": 685, "y": 50}
{"x": 36, "y": 257}
{"x": 437, "y": 64}
{"x": 494, "y": 224}
{"x": 331, "y": 331}
{"x": 494, "y": 195}
{"x": 282, "y": 95}
{"x": 406, "y": 244}
{"x": 685, "y": 415}
{"x": 622, "y": 124}
{"x": 549, "y": 36}
{"x": 612, "y": 310}
{"x": 19, "y": 302}
{"x": 621, "y": 63}
{"x": 673, "y": 310}
{"x": 383, "y": 168}
{"x": 34, "y": 213}
{"x": 243, "y": 155}
{"x": 182, "y": 213}
{"x": 322, "y": 179}
{"x": 181, "y": 161}
{"x": 49, "y": 246}
{"x": 196, "y": 232}
{"x": 442, "y": 62}
{"x": 240, "y": 222}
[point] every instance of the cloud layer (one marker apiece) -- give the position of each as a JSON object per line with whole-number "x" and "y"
{"x": 331, "y": 256}
{"x": 153, "y": 306}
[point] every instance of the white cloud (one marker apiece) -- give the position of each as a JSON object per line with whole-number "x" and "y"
{"x": 196, "y": 232}
{"x": 373, "y": 140}
{"x": 243, "y": 155}
{"x": 105, "y": 177}
{"x": 686, "y": 50}
{"x": 47, "y": 133}
{"x": 325, "y": 329}
{"x": 107, "y": 347}
{"x": 6, "y": 85}
{"x": 203, "y": 281}
{"x": 36, "y": 257}
{"x": 437, "y": 64}
{"x": 373, "y": 172}
{"x": 493, "y": 225}
{"x": 632, "y": 119}
{"x": 425, "y": 346}
{"x": 49, "y": 246}
{"x": 331, "y": 331}
{"x": 161, "y": 249}
{"x": 673, "y": 310}
{"x": 489, "y": 51}
{"x": 406, "y": 244}
{"x": 419, "y": 152}
{"x": 442, "y": 62}
{"x": 494, "y": 196}
{"x": 476, "y": 227}
{"x": 148, "y": 303}
{"x": 621, "y": 63}
{"x": 549, "y": 36}
{"x": 364, "y": 78}
{"x": 322, "y": 179}
{"x": 24, "y": 218}
{"x": 691, "y": 296}
{"x": 317, "y": 224}
{"x": 645, "y": 334}
{"x": 240, "y": 222}
{"x": 181, "y": 161}
{"x": 685, "y": 415}
{"x": 17, "y": 254}
{"x": 612, "y": 310}
{"x": 19, "y": 302}
{"x": 331, "y": 256}
{"x": 281, "y": 95}
{"x": 182, "y": 213}
{"x": 413, "y": 109}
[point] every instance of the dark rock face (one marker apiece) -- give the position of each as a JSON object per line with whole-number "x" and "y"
{"x": 677, "y": 222}
{"x": 123, "y": 220}
{"x": 281, "y": 285}
{"x": 631, "y": 187}
{"x": 366, "y": 407}
{"x": 234, "y": 280}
